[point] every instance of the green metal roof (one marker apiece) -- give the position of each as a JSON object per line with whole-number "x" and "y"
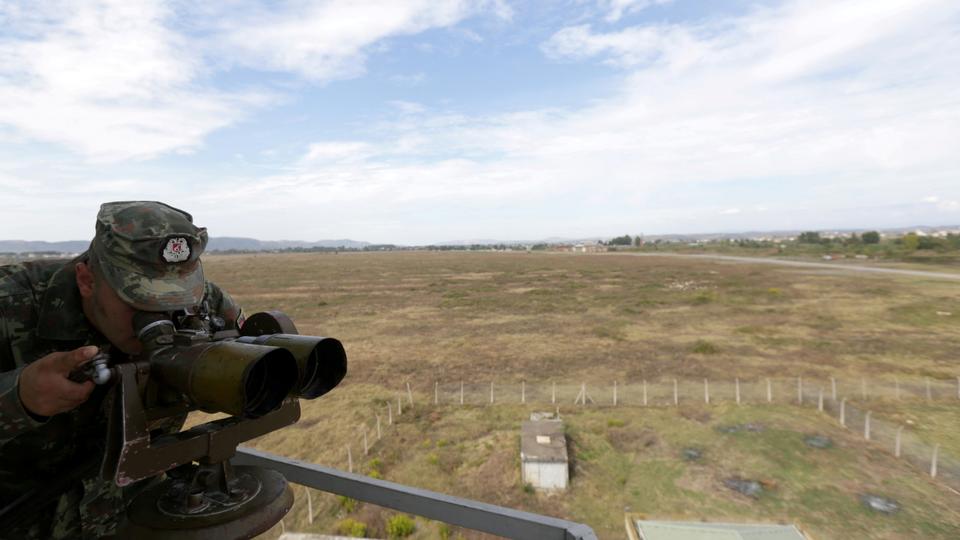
{"x": 675, "y": 530}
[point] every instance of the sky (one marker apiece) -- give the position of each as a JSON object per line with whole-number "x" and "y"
{"x": 423, "y": 121}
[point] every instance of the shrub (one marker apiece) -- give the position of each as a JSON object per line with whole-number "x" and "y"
{"x": 351, "y": 527}
{"x": 528, "y": 488}
{"x": 614, "y": 422}
{"x": 703, "y": 298}
{"x": 445, "y": 531}
{"x": 703, "y": 346}
{"x": 346, "y": 503}
{"x": 400, "y": 526}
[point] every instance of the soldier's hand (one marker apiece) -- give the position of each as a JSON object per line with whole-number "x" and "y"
{"x": 45, "y": 389}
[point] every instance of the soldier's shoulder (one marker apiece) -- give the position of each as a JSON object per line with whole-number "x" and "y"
{"x": 27, "y": 278}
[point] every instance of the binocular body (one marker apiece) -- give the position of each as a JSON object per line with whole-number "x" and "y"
{"x": 247, "y": 373}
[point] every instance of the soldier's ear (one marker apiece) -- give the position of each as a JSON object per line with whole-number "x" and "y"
{"x": 85, "y": 279}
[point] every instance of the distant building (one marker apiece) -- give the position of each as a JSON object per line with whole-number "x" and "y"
{"x": 543, "y": 452}
{"x": 586, "y": 248}
{"x": 638, "y": 529}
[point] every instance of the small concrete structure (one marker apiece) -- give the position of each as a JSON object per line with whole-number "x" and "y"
{"x": 638, "y": 529}
{"x": 543, "y": 452}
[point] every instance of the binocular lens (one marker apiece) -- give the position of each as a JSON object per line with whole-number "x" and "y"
{"x": 321, "y": 361}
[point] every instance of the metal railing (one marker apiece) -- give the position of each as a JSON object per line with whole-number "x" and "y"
{"x": 489, "y": 518}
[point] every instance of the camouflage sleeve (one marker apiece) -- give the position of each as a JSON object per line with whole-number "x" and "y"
{"x": 14, "y": 418}
{"x": 224, "y": 306}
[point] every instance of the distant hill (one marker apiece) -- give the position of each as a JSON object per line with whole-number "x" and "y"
{"x": 30, "y": 246}
{"x": 222, "y": 243}
{"x": 229, "y": 243}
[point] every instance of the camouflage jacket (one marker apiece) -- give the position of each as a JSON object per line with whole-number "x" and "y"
{"x": 41, "y": 312}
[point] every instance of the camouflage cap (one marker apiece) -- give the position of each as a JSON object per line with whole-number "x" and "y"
{"x": 149, "y": 253}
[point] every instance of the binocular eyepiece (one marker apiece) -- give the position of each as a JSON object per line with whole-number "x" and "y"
{"x": 250, "y": 375}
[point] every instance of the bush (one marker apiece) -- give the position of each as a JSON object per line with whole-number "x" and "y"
{"x": 400, "y": 526}
{"x": 703, "y": 298}
{"x": 703, "y": 346}
{"x": 351, "y": 527}
{"x": 346, "y": 503}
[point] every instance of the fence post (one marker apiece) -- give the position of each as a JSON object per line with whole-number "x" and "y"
{"x": 436, "y": 392}
{"x": 399, "y": 405}
{"x": 820, "y": 400}
{"x": 583, "y": 394}
{"x": 491, "y": 392}
{"x": 933, "y": 461}
{"x": 523, "y": 391}
{"x": 833, "y": 388}
{"x": 736, "y": 385}
{"x": 866, "y": 426}
{"x": 349, "y": 460}
{"x": 676, "y": 394}
{"x": 378, "y": 427}
{"x": 769, "y": 392}
{"x": 706, "y": 391}
{"x": 614, "y": 393}
{"x": 461, "y": 392}
{"x": 896, "y": 446}
{"x": 799, "y": 390}
{"x": 409, "y": 394}
{"x": 644, "y": 392}
{"x": 843, "y": 412}
{"x": 553, "y": 392}
{"x": 309, "y": 506}
{"x": 366, "y": 448}
{"x": 896, "y": 383}
{"x": 389, "y": 413}
{"x": 929, "y": 395}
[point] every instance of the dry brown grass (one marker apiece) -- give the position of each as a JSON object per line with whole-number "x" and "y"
{"x": 475, "y": 315}
{"x": 421, "y": 317}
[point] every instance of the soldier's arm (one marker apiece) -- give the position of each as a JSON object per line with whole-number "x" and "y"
{"x": 14, "y": 418}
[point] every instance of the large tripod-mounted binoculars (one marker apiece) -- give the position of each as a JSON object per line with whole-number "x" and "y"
{"x": 189, "y": 362}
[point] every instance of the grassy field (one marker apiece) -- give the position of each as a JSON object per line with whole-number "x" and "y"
{"x": 421, "y": 317}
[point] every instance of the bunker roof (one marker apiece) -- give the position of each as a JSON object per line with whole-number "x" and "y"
{"x": 543, "y": 441}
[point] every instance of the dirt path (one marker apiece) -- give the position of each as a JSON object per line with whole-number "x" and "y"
{"x": 805, "y": 264}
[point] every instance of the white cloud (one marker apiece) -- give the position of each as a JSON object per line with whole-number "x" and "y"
{"x": 615, "y": 9}
{"x": 337, "y": 151}
{"x": 326, "y": 40}
{"x": 107, "y": 79}
{"x": 625, "y": 48}
{"x": 114, "y": 80}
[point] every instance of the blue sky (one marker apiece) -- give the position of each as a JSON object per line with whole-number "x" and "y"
{"x": 423, "y": 121}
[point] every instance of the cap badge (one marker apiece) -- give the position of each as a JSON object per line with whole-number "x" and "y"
{"x": 176, "y": 250}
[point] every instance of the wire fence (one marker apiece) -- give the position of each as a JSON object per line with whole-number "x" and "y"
{"x": 845, "y": 401}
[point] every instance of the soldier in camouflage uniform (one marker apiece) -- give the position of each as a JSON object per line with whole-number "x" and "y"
{"x": 54, "y": 316}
